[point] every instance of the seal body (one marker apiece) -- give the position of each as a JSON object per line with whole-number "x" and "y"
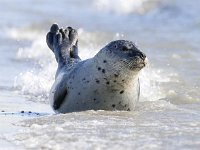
{"x": 108, "y": 81}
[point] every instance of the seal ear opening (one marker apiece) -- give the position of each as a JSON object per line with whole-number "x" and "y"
{"x": 59, "y": 97}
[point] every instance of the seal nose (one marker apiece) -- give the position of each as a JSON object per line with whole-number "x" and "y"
{"x": 138, "y": 53}
{"x": 133, "y": 51}
{"x": 141, "y": 55}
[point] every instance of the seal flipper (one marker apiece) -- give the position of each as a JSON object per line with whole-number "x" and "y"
{"x": 59, "y": 97}
{"x": 73, "y": 38}
{"x": 74, "y": 52}
{"x": 63, "y": 43}
{"x": 58, "y": 93}
{"x": 58, "y": 44}
{"x": 50, "y": 36}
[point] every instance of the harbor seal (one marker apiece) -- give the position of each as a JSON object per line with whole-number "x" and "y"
{"x": 108, "y": 81}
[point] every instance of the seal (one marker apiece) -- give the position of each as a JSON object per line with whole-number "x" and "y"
{"x": 108, "y": 81}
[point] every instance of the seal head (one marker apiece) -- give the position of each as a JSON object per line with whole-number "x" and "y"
{"x": 122, "y": 57}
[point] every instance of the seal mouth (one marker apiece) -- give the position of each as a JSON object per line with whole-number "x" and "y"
{"x": 145, "y": 62}
{"x": 138, "y": 63}
{"x": 139, "y": 59}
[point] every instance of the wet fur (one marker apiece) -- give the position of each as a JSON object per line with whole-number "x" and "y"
{"x": 108, "y": 81}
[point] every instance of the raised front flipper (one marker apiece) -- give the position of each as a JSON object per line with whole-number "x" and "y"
{"x": 63, "y": 42}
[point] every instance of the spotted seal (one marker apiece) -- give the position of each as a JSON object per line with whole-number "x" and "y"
{"x": 108, "y": 81}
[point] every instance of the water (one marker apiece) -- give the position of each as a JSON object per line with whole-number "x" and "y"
{"x": 168, "y": 115}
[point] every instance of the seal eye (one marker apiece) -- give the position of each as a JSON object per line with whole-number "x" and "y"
{"x": 124, "y": 48}
{"x": 115, "y": 46}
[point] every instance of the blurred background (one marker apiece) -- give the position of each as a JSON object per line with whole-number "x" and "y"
{"x": 167, "y": 31}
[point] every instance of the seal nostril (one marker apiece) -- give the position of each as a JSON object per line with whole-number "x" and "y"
{"x": 124, "y": 48}
{"x": 142, "y": 56}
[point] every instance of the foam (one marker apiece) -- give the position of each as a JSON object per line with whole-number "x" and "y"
{"x": 23, "y": 33}
{"x": 150, "y": 79}
{"x": 37, "y": 81}
{"x": 112, "y": 130}
{"x": 122, "y": 6}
